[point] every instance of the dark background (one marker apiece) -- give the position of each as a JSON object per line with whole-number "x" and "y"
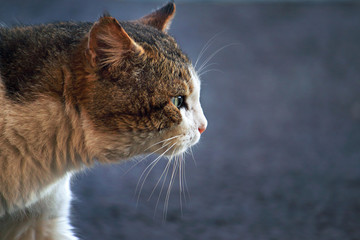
{"x": 280, "y": 158}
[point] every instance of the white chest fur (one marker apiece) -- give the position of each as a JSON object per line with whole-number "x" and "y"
{"x": 44, "y": 216}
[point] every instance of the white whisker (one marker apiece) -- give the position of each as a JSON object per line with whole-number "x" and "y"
{"x": 210, "y": 70}
{"x": 192, "y": 155}
{"x": 167, "y": 197}
{"x": 210, "y": 64}
{"x": 168, "y": 139}
{"x": 148, "y": 170}
{"x": 161, "y": 176}
{"x": 181, "y": 179}
{"x": 213, "y": 55}
{"x": 148, "y": 155}
{"x": 206, "y": 46}
{"x": 185, "y": 183}
{"x": 166, "y": 170}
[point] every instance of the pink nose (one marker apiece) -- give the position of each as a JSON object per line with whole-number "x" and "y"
{"x": 202, "y": 129}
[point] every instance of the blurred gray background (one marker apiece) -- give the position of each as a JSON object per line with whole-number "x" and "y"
{"x": 280, "y": 158}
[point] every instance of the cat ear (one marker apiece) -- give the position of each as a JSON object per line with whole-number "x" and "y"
{"x": 161, "y": 18}
{"x": 108, "y": 42}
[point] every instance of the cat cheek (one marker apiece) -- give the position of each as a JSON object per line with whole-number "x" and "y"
{"x": 188, "y": 126}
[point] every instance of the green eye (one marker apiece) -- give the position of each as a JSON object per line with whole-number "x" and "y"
{"x": 178, "y": 101}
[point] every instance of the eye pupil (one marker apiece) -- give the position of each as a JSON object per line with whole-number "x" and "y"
{"x": 178, "y": 101}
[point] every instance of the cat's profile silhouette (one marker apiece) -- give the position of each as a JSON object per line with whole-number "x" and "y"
{"x": 75, "y": 93}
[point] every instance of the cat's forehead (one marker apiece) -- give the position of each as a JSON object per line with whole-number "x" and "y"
{"x": 159, "y": 41}
{"x": 166, "y": 59}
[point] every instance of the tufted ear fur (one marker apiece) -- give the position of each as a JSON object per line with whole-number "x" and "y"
{"x": 108, "y": 43}
{"x": 161, "y": 18}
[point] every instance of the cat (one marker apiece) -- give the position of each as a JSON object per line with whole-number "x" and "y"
{"x": 72, "y": 94}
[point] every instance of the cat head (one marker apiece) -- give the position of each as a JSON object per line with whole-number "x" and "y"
{"x": 138, "y": 92}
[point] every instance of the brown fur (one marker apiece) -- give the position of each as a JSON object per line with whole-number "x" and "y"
{"x": 74, "y": 93}
{"x": 160, "y": 19}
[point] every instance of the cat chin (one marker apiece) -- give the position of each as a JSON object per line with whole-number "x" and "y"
{"x": 184, "y": 145}
{"x": 174, "y": 148}
{"x": 178, "y": 151}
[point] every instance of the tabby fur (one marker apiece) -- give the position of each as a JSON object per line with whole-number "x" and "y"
{"x": 74, "y": 93}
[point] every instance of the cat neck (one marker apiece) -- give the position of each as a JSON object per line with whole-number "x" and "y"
{"x": 41, "y": 141}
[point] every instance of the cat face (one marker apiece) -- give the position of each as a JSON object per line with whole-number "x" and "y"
{"x": 193, "y": 122}
{"x": 186, "y": 133}
{"x": 140, "y": 93}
